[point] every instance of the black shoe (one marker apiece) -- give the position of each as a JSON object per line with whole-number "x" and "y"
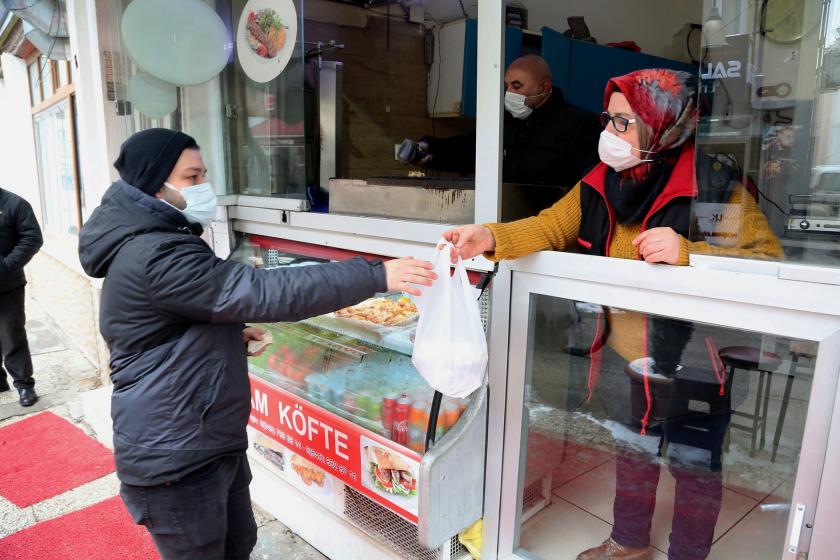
{"x": 27, "y": 396}
{"x": 4, "y": 385}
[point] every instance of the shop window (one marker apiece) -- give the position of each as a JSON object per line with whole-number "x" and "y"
{"x": 56, "y": 147}
{"x": 252, "y": 134}
{"x": 769, "y": 123}
{"x": 54, "y": 143}
{"x": 355, "y": 84}
{"x": 658, "y": 432}
{"x": 47, "y": 75}
{"x": 266, "y": 132}
{"x": 63, "y": 73}
{"x": 35, "y": 83}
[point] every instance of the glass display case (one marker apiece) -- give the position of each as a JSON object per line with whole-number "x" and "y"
{"x": 355, "y": 363}
{"x": 339, "y": 410}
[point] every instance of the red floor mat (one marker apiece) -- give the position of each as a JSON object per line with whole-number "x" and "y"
{"x": 44, "y": 456}
{"x": 103, "y": 531}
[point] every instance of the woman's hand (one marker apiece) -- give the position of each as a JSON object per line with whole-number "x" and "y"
{"x": 402, "y": 273}
{"x": 470, "y": 241}
{"x": 659, "y": 245}
{"x": 254, "y": 333}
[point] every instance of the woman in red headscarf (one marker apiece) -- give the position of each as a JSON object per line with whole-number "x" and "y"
{"x": 636, "y": 204}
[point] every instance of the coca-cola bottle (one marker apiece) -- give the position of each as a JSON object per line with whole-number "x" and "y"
{"x": 400, "y": 433}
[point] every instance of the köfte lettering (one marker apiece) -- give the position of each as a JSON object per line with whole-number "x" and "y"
{"x": 294, "y": 418}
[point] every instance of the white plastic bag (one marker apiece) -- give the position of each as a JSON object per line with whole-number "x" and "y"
{"x": 450, "y": 348}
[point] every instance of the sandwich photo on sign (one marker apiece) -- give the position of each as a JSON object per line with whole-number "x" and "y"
{"x": 390, "y": 473}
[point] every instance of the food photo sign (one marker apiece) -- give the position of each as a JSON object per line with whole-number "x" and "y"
{"x": 325, "y": 442}
{"x": 265, "y": 38}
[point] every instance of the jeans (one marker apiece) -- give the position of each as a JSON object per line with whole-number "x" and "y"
{"x": 206, "y": 515}
{"x": 697, "y": 503}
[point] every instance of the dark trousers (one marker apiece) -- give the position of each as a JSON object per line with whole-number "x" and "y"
{"x": 14, "y": 348}
{"x": 206, "y": 515}
{"x": 696, "y": 504}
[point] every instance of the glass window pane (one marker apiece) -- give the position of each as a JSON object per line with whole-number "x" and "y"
{"x": 712, "y": 473}
{"x": 35, "y": 84}
{"x": 767, "y": 127}
{"x": 46, "y": 68}
{"x": 267, "y": 134}
{"x": 56, "y": 169}
{"x": 63, "y": 73}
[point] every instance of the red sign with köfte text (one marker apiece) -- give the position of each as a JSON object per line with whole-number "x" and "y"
{"x": 382, "y": 470}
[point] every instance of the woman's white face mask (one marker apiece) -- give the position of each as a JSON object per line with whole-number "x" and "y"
{"x": 618, "y": 153}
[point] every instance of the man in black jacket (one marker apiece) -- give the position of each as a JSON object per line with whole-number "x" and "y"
{"x": 173, "y": 316}
{"x": 20, "y": 239}
{"x": 547, "y": 141}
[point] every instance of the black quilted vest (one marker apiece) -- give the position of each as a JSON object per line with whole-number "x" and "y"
{"x": 672, "y": 208}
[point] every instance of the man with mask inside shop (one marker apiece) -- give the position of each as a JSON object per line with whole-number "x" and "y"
{"x": 547, "y": 141}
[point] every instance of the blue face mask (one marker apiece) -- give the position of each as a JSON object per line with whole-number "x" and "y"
{"x": 201, "y": 202}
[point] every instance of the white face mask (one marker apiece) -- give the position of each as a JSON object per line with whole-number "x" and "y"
{"x": 515, "y": 104}
{"x": 201, "y": 202}
{"x": 617, "y": 152}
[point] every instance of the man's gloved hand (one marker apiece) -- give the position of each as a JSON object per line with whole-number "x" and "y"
{"x": 412, "y": 152}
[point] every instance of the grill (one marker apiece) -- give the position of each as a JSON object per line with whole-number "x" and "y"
{"x": 425, "y": 182}
{"x": 394, "y": 532}
{"x": 532, "y": 495}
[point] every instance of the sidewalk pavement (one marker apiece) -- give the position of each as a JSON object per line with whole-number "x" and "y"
{"x": 62, "y": 375}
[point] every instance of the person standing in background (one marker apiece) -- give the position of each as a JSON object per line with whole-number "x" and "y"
{"x": 20, "y": 239}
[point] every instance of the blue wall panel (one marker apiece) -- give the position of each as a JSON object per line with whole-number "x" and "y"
{"x": 557, "y": 50}
{"x": 513, "y": 50}
{"x": 579, "y": 68}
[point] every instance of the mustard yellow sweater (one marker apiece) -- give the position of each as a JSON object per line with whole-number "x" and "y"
{"x": 557, "y": 228}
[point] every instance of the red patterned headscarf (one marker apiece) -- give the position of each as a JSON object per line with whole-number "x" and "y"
{"x": 665, "y": 104}
{"x": 665, "y": 101}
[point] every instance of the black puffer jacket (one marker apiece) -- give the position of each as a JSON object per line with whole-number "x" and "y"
{"x": 172, "y": 314}
{"x": 20, "y": 239}
{"x": 555, "y": 145}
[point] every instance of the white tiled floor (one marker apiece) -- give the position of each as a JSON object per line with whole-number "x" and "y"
{"x": 563, "y": 531}
{"x": 759, "y": 535}
{"x": 582, "y": 516}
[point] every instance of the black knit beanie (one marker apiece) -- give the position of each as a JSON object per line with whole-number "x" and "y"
{"x": 148, "y": 157}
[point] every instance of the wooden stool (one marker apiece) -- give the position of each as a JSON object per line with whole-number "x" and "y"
{"x": 749, "y": 358}
{"x": 799, "y": 350}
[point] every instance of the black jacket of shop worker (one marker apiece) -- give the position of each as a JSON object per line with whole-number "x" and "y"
{"x": 172, "y": 314}
{"x": 555, "y": 145}
{"x": 20, "y": 239}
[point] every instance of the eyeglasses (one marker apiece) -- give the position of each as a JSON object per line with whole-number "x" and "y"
{"x": 619, "y": 123}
